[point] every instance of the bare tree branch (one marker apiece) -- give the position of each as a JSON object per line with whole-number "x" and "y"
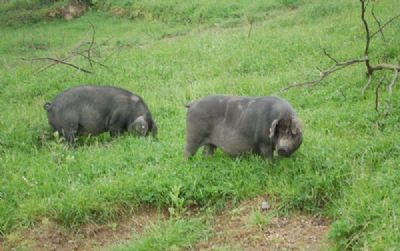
{"x": 325, "y": 73}
{"x": 366, "y": 3}
{"x": 379, "y": 23}
{"x": 83, "y": 48}
{"x": 370, "y": 67}
{"x": 58, "y": 61}
{"x": 52, "y": 64}
{"x": 77, "y": 46}
{"x": 329, "y": 56}
{"x": 377, "y": 93}
{"x": 381, "y": 27}
{"x": 385, "y": 66}
{"x": 367, "y": 84}
{"x": 394, "y": 79}
{"x": 94, "y": 61}
{"x": 367, "y": 37}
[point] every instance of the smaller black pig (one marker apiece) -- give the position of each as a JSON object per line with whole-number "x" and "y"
{"x": 91, "y": 110}
{"x": 239, "y": 125}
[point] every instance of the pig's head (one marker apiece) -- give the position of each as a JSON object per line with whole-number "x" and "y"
{"x": 141, "y": 127}
{"x": 286, "y": 135}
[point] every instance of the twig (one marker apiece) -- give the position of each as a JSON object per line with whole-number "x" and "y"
{"x": 94, "y": 61}
{"x": 383, "y": 26}
{"x": 78, "y": 50}
{"x": 52, "y": 64}
{"x": 377, "y": 93}
{"x": 324, "y": 74}
{"x": 385, "y": 66}
{"x": 394, "y": 79}
{"x": 366, "y": 3}
{"x": 366, "y": 84}
{"x": 370, "y": 68}
{"x": 58, "y": 61}
{"x": 379, "y": 23}
{"x": 367, "y": 37}
{"x": 329, "y": 56}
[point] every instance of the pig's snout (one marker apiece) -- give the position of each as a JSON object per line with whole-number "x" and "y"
{"x": 284, "y": 151}
{"x": 284, "y": 147}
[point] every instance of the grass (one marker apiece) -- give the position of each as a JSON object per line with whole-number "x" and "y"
{"x": 171, "y": 235}
{"x": 20, "y": 12}
{"x": 347, "y": 168}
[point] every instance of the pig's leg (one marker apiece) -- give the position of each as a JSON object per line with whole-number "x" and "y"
{"x": 267, "y": 151}
{"x": 209, "y": 150}
{"x": 191, "y": 149}
{"x": 115, "y": 132}
{"x": 116, "y": 123}
{"x": 70, "y": 137}
{"x": 193, "y": 142}
{"x": 70, "y": 122}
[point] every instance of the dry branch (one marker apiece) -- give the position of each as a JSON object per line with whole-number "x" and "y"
{"x": 370, "y": 67}
{"x": 57, "y": 61}
{"x": 380, "y": 29}
{"x": 379, "y": 23}
{"x": 329, "y": 56}
{"x": 394, "y": 79}
{"x": 327, "y": 72}
{"x": 82, "y": 49}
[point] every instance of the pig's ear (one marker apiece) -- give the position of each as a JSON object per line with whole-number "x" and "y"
{"x": 273, "y": 128}
{"x": 139, "y": 126}
{"x": 296, "y": 126}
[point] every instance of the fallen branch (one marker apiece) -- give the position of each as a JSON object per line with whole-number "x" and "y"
{"x": 379, "y": 23}
{"x": 383, "y": 26}
{"x": 94, "y": 61}
{"x": 394, "y": 79}
{"x": 367, "y": 84}
{"x": 59, "y": 62}
{"x": 327, "y": 72}
{"x": 82, "y": 49}
{"x": 370, "y": 67}
{"x": 52, "y": 64}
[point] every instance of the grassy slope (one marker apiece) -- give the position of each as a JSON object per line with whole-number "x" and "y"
{"x": 347, "y": 167}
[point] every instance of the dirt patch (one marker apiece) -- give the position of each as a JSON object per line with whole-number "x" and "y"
{"x": 50, "y": 236}
{"x": 247, "y": 227}
{"x": 243, "y": 227}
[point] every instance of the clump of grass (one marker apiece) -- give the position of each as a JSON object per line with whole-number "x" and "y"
{"x": 371, "y": 209}
{"x": 261, "y": 219}
{"x": 171, "y": 235}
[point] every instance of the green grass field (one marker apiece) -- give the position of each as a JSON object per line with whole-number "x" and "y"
{"x": 171, "y": 53}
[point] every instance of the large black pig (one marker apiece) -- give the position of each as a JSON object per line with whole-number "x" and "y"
{"x": 239, "y": 125}
{"x": 91, "y": 110}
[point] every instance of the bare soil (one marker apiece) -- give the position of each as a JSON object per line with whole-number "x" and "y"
{"x": 50, "y": 236}
{"x": 234, "y": 229}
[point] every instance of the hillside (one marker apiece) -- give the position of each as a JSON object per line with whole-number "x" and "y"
{"x": 344, "y": 179}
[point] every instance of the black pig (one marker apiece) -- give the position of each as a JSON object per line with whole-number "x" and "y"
{"x": 239, "y": 125}
{"x": 91, "y": 110}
